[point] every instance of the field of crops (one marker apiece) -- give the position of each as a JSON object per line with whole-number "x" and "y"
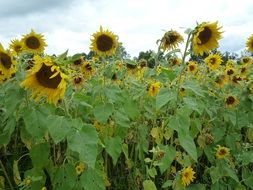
{"x": 171, "y": 119}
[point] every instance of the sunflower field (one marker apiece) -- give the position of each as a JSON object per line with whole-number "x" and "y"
{"x": 172, "y": 119}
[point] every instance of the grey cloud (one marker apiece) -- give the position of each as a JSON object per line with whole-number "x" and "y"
{"x": 15, "y": 8}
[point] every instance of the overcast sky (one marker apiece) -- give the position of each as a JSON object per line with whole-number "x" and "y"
{"x": 69, "y": 24}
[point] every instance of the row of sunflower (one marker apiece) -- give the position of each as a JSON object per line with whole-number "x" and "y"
{"x": 105, "y": 121}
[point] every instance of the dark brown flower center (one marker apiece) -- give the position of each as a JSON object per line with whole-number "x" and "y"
{"x": 77, "y": 80}
{"x": 205, "y": 35}
{"x": 230, "y": 72}
{"x": 170, "y": 39}
{"x": 78, "y": 62}
{"x": 186, "y": 174}
{"x": 104, "y": 43}
{"x": 230, "y": 100}
{"x": 222, "y": 152}
{"x": 32, "y": 42}
{"x": 18, "y": 48}
{"x": 243, "y": 70}
{"x": 245, "y": 60}
{"x": 192, "y": 67}
{"x": 88, "y": 67}
{"x": 212, "y": 60}
{"x": 5, "y": 59}
{"x": 43, "y": 77}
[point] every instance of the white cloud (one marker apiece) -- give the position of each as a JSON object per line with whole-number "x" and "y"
{"x": 137, "y": 23}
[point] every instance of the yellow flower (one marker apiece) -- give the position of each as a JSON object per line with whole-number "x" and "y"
{"x": 33, "y": 42}
{"x": 206, "y": 38}
{"x": 221, "y": 80}
{"x": 43, "y": 188}
{"x": 230, "y": 71}
{"x": 7, "y": 64}
{"x": 188, "y": 176}
{"x": 78, "y": 81}
{"x": 46, "y": 79}
{"x": 246, "y": 60}
{"x": 192, "y": 67}
{"x": 104, "y": 43}
{"x": 80, "y": 168}
{"x": 170, "y": 40}
{"x": 27, "y": 181}
{"x": 222, "y": 152}
{"x": 249, "y": 44}
{"x": 175, "y": 61}
{"x": 87, "y": 69}
{"x": 16, "y": 46}
{"x": 154, "y": 88}
{"x": 230, "y": 62}
{"x": 213, "y": 61}
{"x": 231, "y": 101}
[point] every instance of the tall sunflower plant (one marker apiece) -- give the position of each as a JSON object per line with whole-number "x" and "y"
{"x": 103, "y": 120}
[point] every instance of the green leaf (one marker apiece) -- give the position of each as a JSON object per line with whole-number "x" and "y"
{"x": 40, "y": 154}
{"x": 131, "y": 108}
{"x": 247, "y": 176}
{"x": 84, "y": 142}
{"x": 197, "y": 187}
{"x": 102, "y": 112}
{"x": 168, "y": 183}
{"x": 58, "y": 127}
{"x": 187, "y": 142}
{"x": 170, "y": 153}
{"x": 169, "y": 73}
{"x": 246, "y": 157}
{"x": 92, "y": 179}
{"x": 215, "y": 174}
{"x": 164, "y": 97}
{"x": 35, "y": 122}
{"x": 5, "y": 136}
{"x": 194, "y": 87}
{"x": 149, "y": 185}
{"x": 113, "y": 147}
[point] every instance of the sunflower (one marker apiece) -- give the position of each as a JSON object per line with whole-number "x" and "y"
{"x": 16, "y": 46}
{"x": 188, "y": 176}
{"x": 222, "y": 152}
{"x": 80, "y": 168}
{"x": 87, "y": 69}
{"x": 175, "y": 61}
{"x": 154, "y": 88}
{"x": 170, "y": 40}
{"x": 45, "y": 79}
{"x": 231, "y": 101}
{"x": 244, "y": 70}
{"x": 192, "y": 67}
{"x": 230, "y": 71}
{"x": 221, "y": 80}
{"x": 33, "y": 42}
{"x": 104, "y": 43}
{"x": 78, "y": 81}
{"x": 7, "y": 64}
{"x": 213, "y": 61}
{"x": 230, "y": 62}
{"x": 249, "y": 44}
{"x": 246, "y": 60}
{"x": 205, "y": 37}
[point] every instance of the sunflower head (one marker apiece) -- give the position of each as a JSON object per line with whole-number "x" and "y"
{"x": 230, "y": 71}
{"x": 16, "y": 46}
{"x": 171, "y": 40}
{"x": 7, "y": 64}
{"x": 231, "y": 101}
{"x": 33, "y": 43}
{"x": 46, "y": 79}
{"x": 249, "y": 44}
{"x": 175, "y": 61}
{"x": 187, "y": 176}
{"x": 221, "y": 80}
{"x": 192, "y": 67}
{"x": 222, "y": 152}
{"x": 80, "y": 168}
{"x": 213, "y": 61}
{"x": 104, "y": 42}
{"x": 205, "y": 38}
{"x": 87, "y": 69}
{"x": 154, "y": 88}
{"x": 246, "y": 60}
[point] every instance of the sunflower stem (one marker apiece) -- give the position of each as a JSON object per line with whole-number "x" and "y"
{"x": 6, "y": 175}
{"x": 183, "y": 66}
